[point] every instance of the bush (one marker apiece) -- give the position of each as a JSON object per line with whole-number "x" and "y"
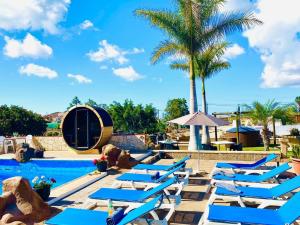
{"x": 296, "y": 151}
{"x": 15, "y": 120}
{"x": 294, "y": 132}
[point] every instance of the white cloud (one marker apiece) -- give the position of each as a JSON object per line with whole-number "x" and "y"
{"x": 110, "y": 52}
{"x": 86, "y": 25}
{"x": 233, "y": 51}
{"x": 39, "y": 71}
{"x": 29, "y": 47}
{"x": 127, "y": 73}
{"x": 277, "y": 42}
{"x": 237, "y": 5}
{"x": 80, "y": 78}
{"x": 32, "y": 14}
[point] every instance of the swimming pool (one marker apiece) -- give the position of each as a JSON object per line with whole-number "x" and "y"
{"x": 62, "y": 171}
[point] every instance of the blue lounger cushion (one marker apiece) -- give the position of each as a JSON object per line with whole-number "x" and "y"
{"x": 286, "y": 214}
{"x": 265, "y": 193}
{"x": 161, "y": 167}
{"x": 244, "y": 215}
{"x": 148, "y": 178}
{"x": 254, "y": 178}
{"x": 255, "y": 165}
{"x": 152, "y": 167}
{"x": 72, "y": 216}
{"x": 130, "y": 195}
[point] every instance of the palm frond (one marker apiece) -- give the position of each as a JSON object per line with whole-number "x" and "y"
{"x": 225, "y": 24}
{"x": 179, "y": 66}
{"x": 166, "y": 48}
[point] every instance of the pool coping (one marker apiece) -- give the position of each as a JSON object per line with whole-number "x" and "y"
{"x": 78, "y": 188}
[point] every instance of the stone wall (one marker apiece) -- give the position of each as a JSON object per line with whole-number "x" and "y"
{"x": 53, "y": 143}
{"x": 128, "y": 142}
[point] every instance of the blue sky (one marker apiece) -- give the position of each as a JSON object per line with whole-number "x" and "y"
{"x": 55, "y": 50}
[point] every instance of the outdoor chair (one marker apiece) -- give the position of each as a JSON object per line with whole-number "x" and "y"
{"x": 135, "y": 198}
{"x": 288, "y": 213}
{"x": 160, "y": 167}
{"x": 147, "y": 181}
{"x": 262, "y": 196}
{"x": 246, "y": 168}
{"x": 71, "y": 216}
{"x": 247, "y": 179}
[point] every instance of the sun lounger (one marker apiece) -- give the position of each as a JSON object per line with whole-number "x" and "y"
{"x": 286, "y": 214}
{"x": 149, "y": 180}
{"x": 244, "y": 167}
{"x": 135, "y": 198}
{"x": 72, "y": 216}
{"x": 160, "y": 167}
{"x": 251, "y": 178}
{"x": 263, "y": 197}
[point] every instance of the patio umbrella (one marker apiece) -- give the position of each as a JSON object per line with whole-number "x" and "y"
{"x": 199, "y": 118}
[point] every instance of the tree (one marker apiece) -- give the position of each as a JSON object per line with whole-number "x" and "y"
{"x": 15, "y": 119}
{"x": 264, "y": 114}
{"x": 131, "y": 118}
{"x": 207, "y": 63}
{"x": 192, "y": 27}
{"x": 75, "y": 101}
{"x": 297, "y": 100}
{"x": 92, "y": 103}
{"x": 176, "y": 108}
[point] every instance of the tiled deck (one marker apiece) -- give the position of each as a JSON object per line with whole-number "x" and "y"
{"x": 193, "y": 196}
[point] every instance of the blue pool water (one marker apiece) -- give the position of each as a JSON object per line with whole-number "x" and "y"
{"x": 62, "y": 171}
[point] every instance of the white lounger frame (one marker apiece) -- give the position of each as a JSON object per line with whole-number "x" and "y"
{"x": 233, "y": 171}
{"x": 147, "y": 185}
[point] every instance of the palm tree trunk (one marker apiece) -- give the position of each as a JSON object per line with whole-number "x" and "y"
{"x": 194, "y": 143}
{"x": 266, "y": 139}
{"x": 205, "y": 129}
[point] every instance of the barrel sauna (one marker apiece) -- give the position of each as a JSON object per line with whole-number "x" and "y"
{"x": 86, "y": 129}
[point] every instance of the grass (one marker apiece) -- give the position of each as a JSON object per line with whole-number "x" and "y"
{"x": 261, "y": 148}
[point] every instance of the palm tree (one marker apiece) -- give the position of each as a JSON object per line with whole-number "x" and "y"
{"x": 207, "y": 63}
{"x": 192, "y": 27}
{"x": 264, "y": 114}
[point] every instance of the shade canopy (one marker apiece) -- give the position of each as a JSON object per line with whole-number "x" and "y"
{"x": 199, "y": 118}
{"x": 242, "y": 130}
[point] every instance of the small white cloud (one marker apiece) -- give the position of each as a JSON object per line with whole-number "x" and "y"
{"x": 127, "y": 73}
{"x": 110, "y": 52}
{"x": 86, "y": 25}
{"x": 80, "y": 78}
{"x": 29, "y": 47}
{"x": 233, "y": 51}
{"x": 39, "y": 71}
{"x": 32, "y": 14}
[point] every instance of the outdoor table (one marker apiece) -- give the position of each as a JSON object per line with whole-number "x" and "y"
{"x": 219, "y": 143}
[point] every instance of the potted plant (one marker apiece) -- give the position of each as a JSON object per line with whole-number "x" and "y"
{"x": 296, "y": 158}
{"x": 42, "y": 186}
{"x": 101, "y": 163}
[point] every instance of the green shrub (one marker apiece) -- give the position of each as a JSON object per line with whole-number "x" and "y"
{"x": 294, "y": 132}
{"x": 296, "y": 151}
